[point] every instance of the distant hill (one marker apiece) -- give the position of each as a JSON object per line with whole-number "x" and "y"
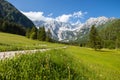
{"x": 9, "y": 13}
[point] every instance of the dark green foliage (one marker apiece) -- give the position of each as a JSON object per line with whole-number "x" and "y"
{"x": 48, "y": 36}
{"x": 41, "y": 34}
{"x": 10, "y": 27}
{"x": 10, "y": 13}
{"x": 12, "y": 20}
{"x": 118, "y": 39}
{"x": 111, "y": 34}
{"x": 28, "y": 33}
{"x": 94, "y": 39}
{"x": 33, "y": 33}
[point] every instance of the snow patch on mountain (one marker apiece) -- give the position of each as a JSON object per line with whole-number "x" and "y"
{"x": 97, "y": 21}
{"x": 64, "y": 31}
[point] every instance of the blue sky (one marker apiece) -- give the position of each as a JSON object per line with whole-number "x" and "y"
{"x": 58, "y": 8}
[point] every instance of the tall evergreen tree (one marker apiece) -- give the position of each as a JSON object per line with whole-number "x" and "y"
{"x": 117, "y": 38}
{"x": 28, "y": 33}
{"x": 33, "y": 33}
{"x": 48, "y": 36}
{"x": 4, "y": 26}
{"x": 41, "y": 34}
{"x": 94, "y": 39}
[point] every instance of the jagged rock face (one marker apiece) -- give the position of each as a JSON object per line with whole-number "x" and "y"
{"x": 10, "y": 13}
{"x": 93, "y": 21}
{"x": 65, "y": 31}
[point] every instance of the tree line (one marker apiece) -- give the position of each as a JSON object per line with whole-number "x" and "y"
{"x": 11, "y": 27}
{"x": 32, "y": 33}
{"x": 39, "y": 34}
{"x": 107, "y": 37}
{"x": 95, "y": 40}
{"x": 111, "y": 35}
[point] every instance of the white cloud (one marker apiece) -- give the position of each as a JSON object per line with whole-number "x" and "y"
{"x": 67, "y": 17}
{"x": 79, "y": 14}
{"x": 64, "y": 18}
{"x": 37, "y": 16}
{"x": 34, "y": 15}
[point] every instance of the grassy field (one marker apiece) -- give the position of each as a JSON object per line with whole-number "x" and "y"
{"x": 99, "y": 65}
{"x": 14, "y": 42}
{"x": 72, "y": 63}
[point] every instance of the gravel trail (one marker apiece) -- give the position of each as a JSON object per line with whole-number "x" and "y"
{"x": 11, "y": 54}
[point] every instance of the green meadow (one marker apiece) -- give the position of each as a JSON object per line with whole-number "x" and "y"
{"x": 10, "y": 42}
{"x": 71, "y": 63}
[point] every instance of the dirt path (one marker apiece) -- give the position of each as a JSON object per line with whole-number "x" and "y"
{"x": 10, "y": 54}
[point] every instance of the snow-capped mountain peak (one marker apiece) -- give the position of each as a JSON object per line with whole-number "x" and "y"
{"x": 63, "y": 31}
{"x": 97, "y": 21}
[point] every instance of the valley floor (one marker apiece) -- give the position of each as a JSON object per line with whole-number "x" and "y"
{"x": 71, "y": 63}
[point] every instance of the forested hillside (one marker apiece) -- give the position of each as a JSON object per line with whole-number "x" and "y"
{"x": 12, "y": 20}
{"x": 109, "y": 33}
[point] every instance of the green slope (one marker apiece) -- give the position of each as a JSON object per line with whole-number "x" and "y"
{"x": 10, "y": 42}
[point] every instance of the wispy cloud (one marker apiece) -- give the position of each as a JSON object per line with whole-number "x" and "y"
{"x": 79, "y": 14}
{"x": 38, "y": 16}
{"x": 64, "y": 18}
{"x": 67, "y": 17}
{"x": 34, "y": 15}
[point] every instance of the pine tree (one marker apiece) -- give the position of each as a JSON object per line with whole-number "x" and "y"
{"x": 117, "y": 45}
{"x": 4, "y": 26}
{"x": 48, "y": 36}
{"x": 33, "y": 33}
{"x": 94, "y": 39}
{"x": 28, "y": 33}
{"x": 41, "y": 34}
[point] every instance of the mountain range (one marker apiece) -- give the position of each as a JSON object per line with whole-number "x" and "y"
{"x": 62, "y": 31}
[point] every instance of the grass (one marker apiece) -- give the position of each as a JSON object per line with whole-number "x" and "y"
{"x": 10, "y": 42}
{"x": 52, "y": 65}
{"x": 73, "y": 63}
{"x": 103, "y": 65}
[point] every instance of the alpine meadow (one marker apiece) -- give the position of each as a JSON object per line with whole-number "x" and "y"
{"x": 59, "y": 40}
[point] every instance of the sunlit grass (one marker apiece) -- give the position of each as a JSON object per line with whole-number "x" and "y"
{"x": 51, "y": 65}
{"x": 73, "y": 63}
{"x": 103, "y": 64}
{"x": 15, "y": 42}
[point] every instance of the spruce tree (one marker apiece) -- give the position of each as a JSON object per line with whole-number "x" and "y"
{"x": 117, "y": 45}
{"x": 94, "y": 39}
{"x": 28, "y": 33}
{"x": 33, "y": 33}
{"x": 48, "y": 36}
{"x": 41, "y": 34}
